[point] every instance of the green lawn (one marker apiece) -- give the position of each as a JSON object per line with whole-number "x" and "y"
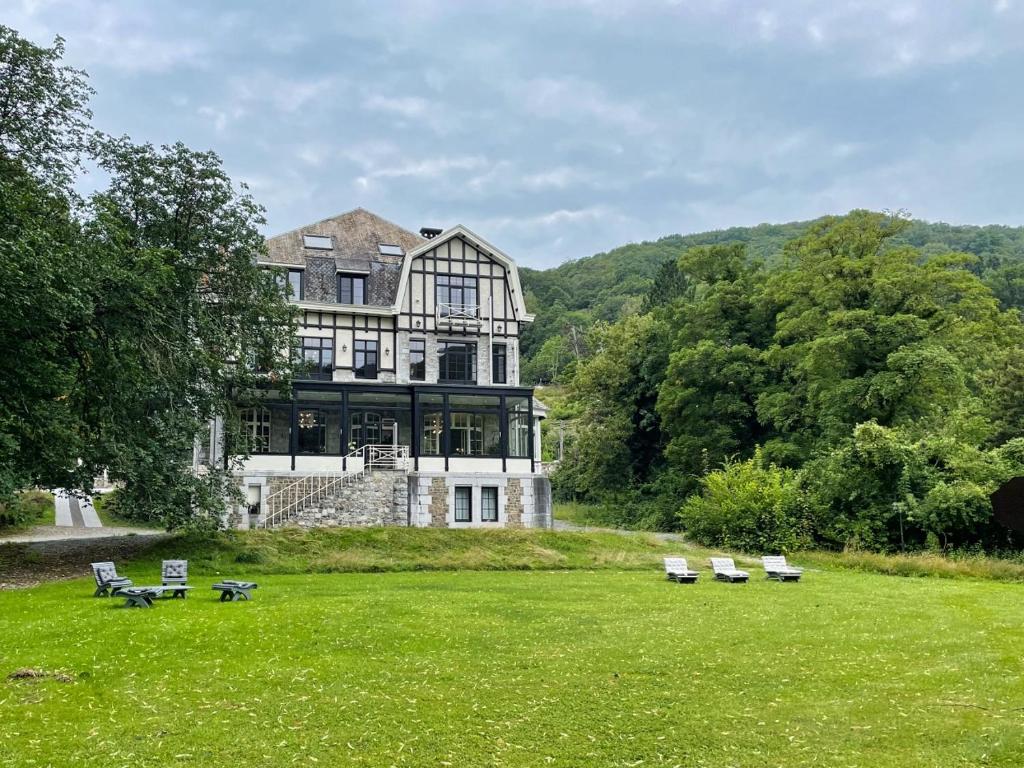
{"x": 528, "y": 668}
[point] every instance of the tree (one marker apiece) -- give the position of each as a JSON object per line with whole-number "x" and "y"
{"x": 180, "y": 313}
{"x": 129, "y": 319}
{"x": 44, "y": 113}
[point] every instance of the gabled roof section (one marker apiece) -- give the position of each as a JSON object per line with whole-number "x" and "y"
{"x": 459, "y": 231}
{"x": 355, "y": 235}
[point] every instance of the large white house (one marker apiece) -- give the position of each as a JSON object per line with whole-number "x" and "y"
{"x": 410, "y": 410}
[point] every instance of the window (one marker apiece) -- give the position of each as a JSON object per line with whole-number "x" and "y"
{"x": 390, "y": 250}
{"x": 365, "y": 359}
{"x": 312, "y": 431}
{"x": 456, "y": 362}
{"x": 463, "y": 504}
{"x": 320, "y": 242}
{"x": 256, "y": 429}
{"x": 351, "y": 289}
{"x": 499, "y": 367}
{"x": 431, "y": 408}
{"x": 417, "y": 360}
{"x": 518, "y": 409}
{"x": 474, "y": 434}
{"x": 456, "y": 296}
{"x": 295, "y": 284}
{"x": 317, "y": 357}
{"x": 489, "y": 504}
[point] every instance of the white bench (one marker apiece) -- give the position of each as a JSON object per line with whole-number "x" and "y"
{"x": 776, "y": 567}
{"x": 725, "y": 570}
{"x": 677, "y": 570}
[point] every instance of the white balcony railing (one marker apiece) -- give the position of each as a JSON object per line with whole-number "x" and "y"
{"x": 458, "y": 313}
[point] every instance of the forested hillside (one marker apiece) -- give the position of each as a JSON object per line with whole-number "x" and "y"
{"x": 569, "y": 298}
{"x": 850, "y": 389}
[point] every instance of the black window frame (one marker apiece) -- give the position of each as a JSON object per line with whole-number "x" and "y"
{"x": 360, "y": 370}
{"x": 445, "y": 363}
{"x": 417, "y": 347}
{"x": 353, "y": 280}
{"x": 469, "y": 504}
{"x": 324, "y": 371}
{"x": 447, "y": 287}
{"x": 499, "y": 362}
{"x": 485, "y": 492}
{"x": 320, "y": 426}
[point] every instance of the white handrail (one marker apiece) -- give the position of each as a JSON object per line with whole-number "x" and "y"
{"x": 314, "y": 487}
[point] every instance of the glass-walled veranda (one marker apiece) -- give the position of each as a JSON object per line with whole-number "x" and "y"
{"x": 323, "y": 424}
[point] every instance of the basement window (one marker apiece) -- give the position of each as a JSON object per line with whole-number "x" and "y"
{"x": 320, "y": 242}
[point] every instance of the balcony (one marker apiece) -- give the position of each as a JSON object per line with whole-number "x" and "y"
{"x": 458, "y": 314}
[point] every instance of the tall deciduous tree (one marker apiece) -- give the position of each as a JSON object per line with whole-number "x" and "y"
{"x": 131, "y": 319}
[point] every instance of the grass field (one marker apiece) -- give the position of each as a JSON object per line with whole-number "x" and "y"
{"x": 602, "y": 667}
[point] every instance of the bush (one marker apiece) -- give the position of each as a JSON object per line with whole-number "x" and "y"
{"x": 753, "y": 506}
{"x": 27, "y": 508}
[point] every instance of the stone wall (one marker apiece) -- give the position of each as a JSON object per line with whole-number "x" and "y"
{"x": 514, "y": 503}
{"x": 438, "y": 503}
{"x": 379, "y": 498}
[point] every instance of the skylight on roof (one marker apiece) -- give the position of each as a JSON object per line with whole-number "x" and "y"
{"x": 323, "y": 242}
{"x": 390, "y": 250}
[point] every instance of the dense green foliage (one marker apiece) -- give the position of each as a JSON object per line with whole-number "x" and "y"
{"x": 480, "y": 668}
{"x": 27, "y": 508}
{"x": 125, "y": 314}
{"x": 885, "y": 377}
{"x": 571, "y": 298}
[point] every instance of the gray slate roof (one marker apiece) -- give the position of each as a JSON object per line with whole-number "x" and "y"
{"x": 356, "y": 236}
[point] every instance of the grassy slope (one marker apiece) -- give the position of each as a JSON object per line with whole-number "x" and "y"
{"x": 41, "y": 511}
{"x": 561, "y": 668}
{"x": 409, "y": 549}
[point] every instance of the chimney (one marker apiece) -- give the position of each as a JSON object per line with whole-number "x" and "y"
{"x": 429, "y": 233}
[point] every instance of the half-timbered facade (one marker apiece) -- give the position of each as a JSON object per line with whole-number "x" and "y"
{"x": 410, "y": 350}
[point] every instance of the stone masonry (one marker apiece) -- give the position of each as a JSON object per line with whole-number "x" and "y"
{"x": 379, "y": 498}
{"x": 438, "y": 503}
{"x": 514, "y": 503}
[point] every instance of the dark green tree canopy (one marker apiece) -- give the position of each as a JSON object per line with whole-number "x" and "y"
{"x": 130, "y": 319}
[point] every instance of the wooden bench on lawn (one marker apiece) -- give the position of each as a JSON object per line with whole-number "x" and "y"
{"x": 231, "y": 591}
{"x": 139, "y": 597}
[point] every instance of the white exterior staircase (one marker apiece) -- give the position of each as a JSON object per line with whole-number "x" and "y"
{"x": 307, "y": 491}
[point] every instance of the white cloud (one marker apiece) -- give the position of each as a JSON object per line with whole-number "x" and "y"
{"x": 576, "y": 100}
{"x": 404, "y": 106}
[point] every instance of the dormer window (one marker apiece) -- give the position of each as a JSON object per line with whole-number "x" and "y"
{"x": 319, "y": 242}
{"x": 351, "y": 289}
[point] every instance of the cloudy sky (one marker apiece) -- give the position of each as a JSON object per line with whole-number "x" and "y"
{"x": 561, "y": 128}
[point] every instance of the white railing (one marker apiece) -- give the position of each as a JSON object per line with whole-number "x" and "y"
{"x": 462, "y": 313}
{"x": 386, "y": 456}
{"x": 301, "y": 493}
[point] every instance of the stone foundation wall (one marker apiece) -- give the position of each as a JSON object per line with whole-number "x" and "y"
{"x": 438, "y": 503}
{"x": 514, "y": 503}
{"x": 379, "y": 498}
{"x": 524, "y": 501}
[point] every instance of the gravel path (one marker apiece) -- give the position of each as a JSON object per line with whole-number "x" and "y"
{"x": 27, "y": 560}
{"x": 42, "y": 533}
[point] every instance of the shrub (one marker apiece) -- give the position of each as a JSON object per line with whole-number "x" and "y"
{"x": 26, "y": 508}
{"x": 753, "y": 505}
